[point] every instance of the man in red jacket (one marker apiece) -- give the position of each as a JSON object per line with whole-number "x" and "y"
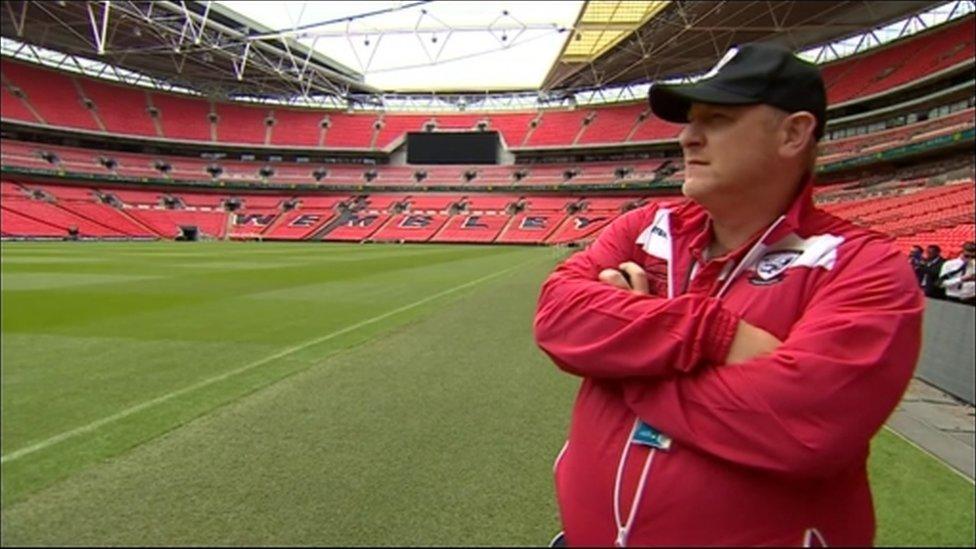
{"x": 738, "y": 349}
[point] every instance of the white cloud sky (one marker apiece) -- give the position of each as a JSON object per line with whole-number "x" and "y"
{"x": 401, "y": 54}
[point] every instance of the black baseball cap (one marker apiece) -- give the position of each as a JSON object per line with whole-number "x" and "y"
{"x": 749, "y": 74}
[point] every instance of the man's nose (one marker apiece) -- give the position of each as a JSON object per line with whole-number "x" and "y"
{"x": 690, "y": 136}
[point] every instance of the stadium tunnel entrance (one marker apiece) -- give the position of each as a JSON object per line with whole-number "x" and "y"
{"x": 188, "y": 233}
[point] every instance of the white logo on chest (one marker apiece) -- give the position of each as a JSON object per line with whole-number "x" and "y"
{"x": 774, "y": 263}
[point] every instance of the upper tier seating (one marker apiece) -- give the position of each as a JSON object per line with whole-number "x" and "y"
{"x": 900, "y": 62}
{"x": 513, "y": 127}
{"x": 143, "y": 166}
{"x": 240, "y": 124}
{"x": 395, "y": 127}
{"x": 52, "y": 94}
{"x": 58, "y": 98}
{"x": 655, "y": 129}
{"x": 556, "y": 128}
{"x": 182, "y": 117}
{"x": 349, "y": 131}
{"x": 839, "y": 148}
{"x": 122, "y": 110}
{"x": 296, "y": 128}
{"x": 13, "y": 108}
{"x": 613, "y": 124}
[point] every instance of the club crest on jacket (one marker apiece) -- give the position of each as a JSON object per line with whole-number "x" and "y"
{"x": 770, "y": 268}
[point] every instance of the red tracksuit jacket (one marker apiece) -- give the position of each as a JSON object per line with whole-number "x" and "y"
{"x": 771, "y": 451}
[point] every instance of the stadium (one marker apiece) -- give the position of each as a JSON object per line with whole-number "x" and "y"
{"x": 269, "y": 269}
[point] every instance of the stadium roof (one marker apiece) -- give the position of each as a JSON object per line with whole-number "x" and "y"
{"x": 429, "y": 46}
{"x": 344, "y": 54}
{"x": 687, "y": 37}
{"x": 603, "y": 24}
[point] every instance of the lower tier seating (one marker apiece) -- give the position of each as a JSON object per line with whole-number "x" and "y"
{"x": 917, "y": 211}
{"x": 410, "y": 227}
{"x": 482, "y": 227}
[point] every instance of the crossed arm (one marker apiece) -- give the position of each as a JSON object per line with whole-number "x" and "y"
{"x": 805, "y": 406}
{"x": 748, "y": 342}
{"x": 590, "y": 328}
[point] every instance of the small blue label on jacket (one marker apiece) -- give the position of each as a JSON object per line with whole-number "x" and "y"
{"x": 649, "y": 436}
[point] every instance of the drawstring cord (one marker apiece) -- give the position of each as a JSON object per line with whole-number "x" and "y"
{"x": 623, "y": 528}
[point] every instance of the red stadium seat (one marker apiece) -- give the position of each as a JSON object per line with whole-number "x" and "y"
{"x": 182, "y": 117}
{"x": 472, "y": 227}
{"x": 123, "y": 110}
{"x": 531, "y": 228}
{"x": 410, "y": 227}
{"x": 358, "y": 227}
{"x": 239, "y": 124}
{"x": 298, "y": 224}
{"x": 52, "y": 94}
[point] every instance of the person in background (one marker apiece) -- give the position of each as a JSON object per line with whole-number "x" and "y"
{"x": 958, "y": 276}
{"x": 915, "y": 260}
{"x": 931, "y": 271}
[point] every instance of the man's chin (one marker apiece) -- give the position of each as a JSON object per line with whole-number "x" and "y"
{"x": 705, "y": 192}
{"x": 695, "y": 188}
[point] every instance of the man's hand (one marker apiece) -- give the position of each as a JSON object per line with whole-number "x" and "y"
{"x": 750, "y": 342}
{"x": 637, "y": 276}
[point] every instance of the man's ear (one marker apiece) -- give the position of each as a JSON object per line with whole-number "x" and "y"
{"x": 798, "y": 129}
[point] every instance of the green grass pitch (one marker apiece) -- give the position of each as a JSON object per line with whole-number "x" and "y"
{"x": 309, "y": 394}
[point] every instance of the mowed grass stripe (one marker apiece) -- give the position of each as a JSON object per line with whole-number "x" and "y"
{"x": 919, "y": 501}
{"x": 214, "y": 311}
{"x": 441, "y": 432}
{"x": 92, "y": 367}
{"x": 931, "y": 454}
{"x": 17, "y": 454}
{"x": 207, "y": 300}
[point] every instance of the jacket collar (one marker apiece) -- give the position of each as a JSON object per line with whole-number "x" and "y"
{"x": 789, "y": 222}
